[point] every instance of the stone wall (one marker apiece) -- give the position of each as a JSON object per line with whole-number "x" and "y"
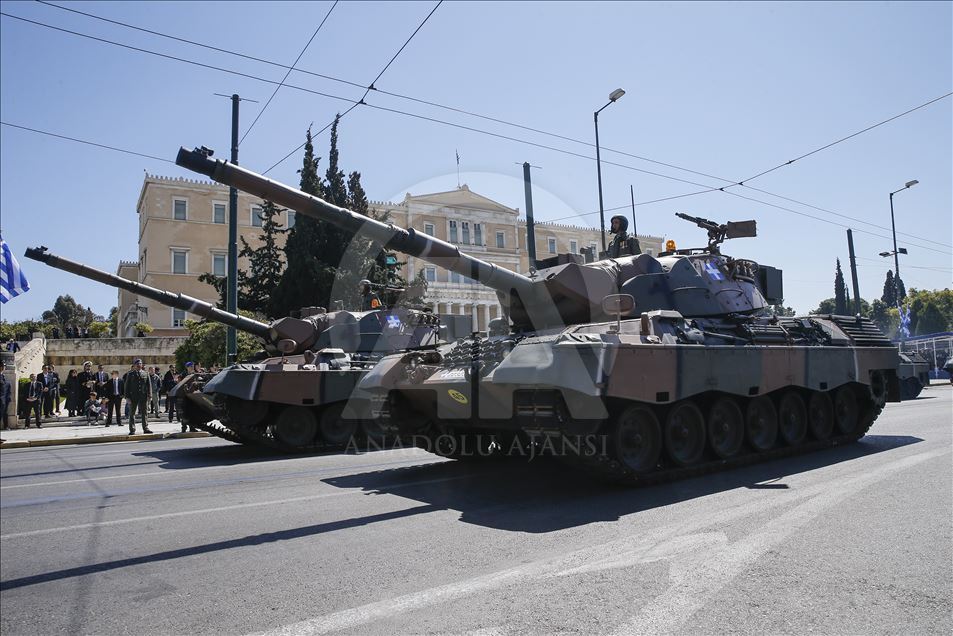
{"x": 112, "y": 353}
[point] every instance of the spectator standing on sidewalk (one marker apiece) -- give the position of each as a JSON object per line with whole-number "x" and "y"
{"x": 5, "y": 394}
{"x": 155, "y": 385}
{"x": 138, "y": 391}
{"x": 34, "y": 400}
{"x": 168, "y": 382}
{"x": 115, "y": 389}
{"x": 55, "y": 390}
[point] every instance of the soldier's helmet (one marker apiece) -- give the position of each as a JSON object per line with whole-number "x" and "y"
{"x": 623, "y": 223}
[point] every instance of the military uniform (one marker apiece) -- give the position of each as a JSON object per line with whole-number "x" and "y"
{"x": 138, "y": 391}
{"x": 622, "y": 244}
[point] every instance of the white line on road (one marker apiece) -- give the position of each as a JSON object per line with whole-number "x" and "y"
{"x": 626, "y": 551}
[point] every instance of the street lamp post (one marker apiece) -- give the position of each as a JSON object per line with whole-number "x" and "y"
{"x": 613, "y": 97}
{"x": 896, "y": 252}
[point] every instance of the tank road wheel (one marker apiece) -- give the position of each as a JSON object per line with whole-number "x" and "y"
{"x": 638, "y": 439}
{"x": 726, "y": 427}
{"x": 792, "y": 418}
{"x": 245, "y": 412}
{"x": 846, "y": 411}
{"x": 820, "y": 412}
{"x": 335, "y": 430}
{"x": 761, "y": 423}
{"x": 296, "y": 426}
{"x": 685, "y": 433}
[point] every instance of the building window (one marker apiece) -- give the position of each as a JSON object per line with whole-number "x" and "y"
{"x": 429, "y": 229}
{"x": 218, "y": 264}
{"x": 178, "y": 317}
{"x": 477, "y": 234}
{"x": 430, "y": 274}
{"x": 500, "y": 240}
{"x": 180, "y": 209}
{"x": 218, "y": 213}
{"x": 595, "y": 252}
{"x": 650, "y": 251}
{"x": 256, "y": 219}
{"x": 454, "y": 277}
{"x": 180, "y": 261}
{"x": 291, "y": 219}
{"x": 453, "y": 231}
{"x": 552, "y": 246}
{"x": 573, "y": 247}
{"x": 466, "y": 233}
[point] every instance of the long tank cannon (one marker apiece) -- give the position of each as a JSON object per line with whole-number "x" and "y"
{"x": 407, "y": 241}
{"x": 350, "y": 331}
{"x": 177, "y": 301}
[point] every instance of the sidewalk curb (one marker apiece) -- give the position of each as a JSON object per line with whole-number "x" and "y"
{"x": 101, "y": 439}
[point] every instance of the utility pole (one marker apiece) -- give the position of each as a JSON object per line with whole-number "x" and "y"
{"x": 530, "y": 224}
{"x": 635, "y": 231}
{"x": 853, "y": 271}
{"x": 231, "y": 296}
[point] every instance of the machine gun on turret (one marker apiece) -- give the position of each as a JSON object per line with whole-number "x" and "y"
{"x": 719, "y": 232}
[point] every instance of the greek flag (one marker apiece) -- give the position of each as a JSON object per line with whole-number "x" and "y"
{"x": 904, "y": 322}
{"x": 12, "y": 281}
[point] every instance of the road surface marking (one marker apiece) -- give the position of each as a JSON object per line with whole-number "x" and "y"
{"x": 662, "y": 543}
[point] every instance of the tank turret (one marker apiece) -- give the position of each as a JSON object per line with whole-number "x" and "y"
{"x": 697, "y": 282}
{"x": 347, "y": 330}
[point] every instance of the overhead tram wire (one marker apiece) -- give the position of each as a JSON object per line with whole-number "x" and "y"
{"x": 88, "y": 143}
{"x": 729, "y": 182}
{"x": 477, "y": 130}
{"x": 367, "y": 89}
{"x": 281, "y": 83}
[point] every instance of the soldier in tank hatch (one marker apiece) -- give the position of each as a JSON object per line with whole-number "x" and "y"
{"x": 622, "y": 243}
{"x": 369, "y": 300}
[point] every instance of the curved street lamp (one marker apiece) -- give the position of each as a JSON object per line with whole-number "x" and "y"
{"x": 893, "y": 228}
{"x": 614, "y": 96}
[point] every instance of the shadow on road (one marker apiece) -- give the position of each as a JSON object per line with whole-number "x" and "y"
{"x": 537, "y": 497}
{"x": 225, "y": 455}
{"x": 544, "y": 495}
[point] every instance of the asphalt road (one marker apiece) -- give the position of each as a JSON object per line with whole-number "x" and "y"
{"x": 205, "y": 537}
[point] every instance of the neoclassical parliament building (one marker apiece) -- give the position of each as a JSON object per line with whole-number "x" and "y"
{"x": 183, "y": 234}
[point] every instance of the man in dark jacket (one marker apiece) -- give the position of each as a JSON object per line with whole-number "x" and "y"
{"x": 115, "y": 389}
{"x": 622, "y": 244}
{"x": 34, "y": 400}
{"x": 5, "y": 394}
{"x": 138, "y": 390}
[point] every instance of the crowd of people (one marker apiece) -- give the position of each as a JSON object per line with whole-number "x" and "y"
{"x": 99, "y": 395}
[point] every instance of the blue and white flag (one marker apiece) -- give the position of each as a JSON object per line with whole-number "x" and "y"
{"x": 904, "y": 322}
{"x": 12, "y": 280}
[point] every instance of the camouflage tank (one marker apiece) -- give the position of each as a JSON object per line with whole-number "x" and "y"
{"x": 639, "y": 368}
{"x": 914, "y": 374}
{"x": 294, "y": 398}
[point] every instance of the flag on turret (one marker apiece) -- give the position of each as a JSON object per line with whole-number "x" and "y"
{"x": 12, "y": 281}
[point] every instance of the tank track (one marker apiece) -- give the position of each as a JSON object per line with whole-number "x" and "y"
{"x": 606, "y": 468}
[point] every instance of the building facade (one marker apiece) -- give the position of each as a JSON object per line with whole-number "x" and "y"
{"x": 183, "y": 234}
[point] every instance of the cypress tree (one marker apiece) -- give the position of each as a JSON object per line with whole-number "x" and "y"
{"x": 840, "y": 292}
{"x": 890, "y": 292}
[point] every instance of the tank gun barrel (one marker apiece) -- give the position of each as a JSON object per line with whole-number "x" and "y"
{"x": 407, "y": 241}
{"x": 718, "y": 232}
{"x": 178, "y": 301}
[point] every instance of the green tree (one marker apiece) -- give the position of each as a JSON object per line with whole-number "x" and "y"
{"x": 66, "y": 311}
{"x": 889, "y": 296}
{"x": 781, "y": 310}
{"x": 206, "y": 343}
{"x": 113, "y": 321}
{"x": 930, "y": 319}
{"x": 322, "y": 260}
{"x": 827, "y": 306}
{"x": 930, "y": 311}
{"x": 264, "y": 262}
{"x": 901, "y": 290}
{"x": 881, "y": 315}
{"x": 840, "y": 292}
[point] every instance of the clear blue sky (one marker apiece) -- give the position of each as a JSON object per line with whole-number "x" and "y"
{"x": 725, "y": 89}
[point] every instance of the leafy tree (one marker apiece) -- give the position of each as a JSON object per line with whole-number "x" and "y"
{"x": 113, "y": 321}
{"x": 930, "y": 319}
{"x": 885, "y": 317}
{"x": 781, "y": 310}
{"x": 66, "y": 311}
{"x": 323, "y": 260}
{"x": 98, "y": 329}
{"x": 827, "y": 306}
{"x": 930, "y": 311}
{"x": 206, "y": 343}
{"x": 840, "y": 292}
{"x": 889, "y": 296}
{"x": 265, "y": 264}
